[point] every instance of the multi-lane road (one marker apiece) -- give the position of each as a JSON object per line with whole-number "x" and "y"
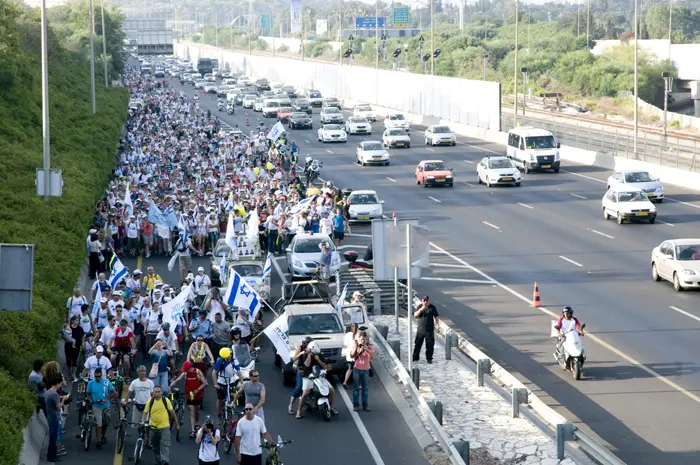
{"x": 639, "y": 391}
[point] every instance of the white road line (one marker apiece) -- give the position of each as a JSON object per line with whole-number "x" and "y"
{"x": 432, "y": 150}
{"x": 308, "y": 142}
{"x": 361, "y": 428}
{"x": 684, "y": 203}
{"x": 579, "y": 196}
{"x": 439, "y": 252}
{"x": 329, "y": 151}
{"x": 457, "y": 280}
{"x": 590, "y": 335}
{"x": 469, "y": 161}
{"x": 342, "y": 247}
{"x": 491, "y": 225}
{"x": 526, "y": 205}
{"x": 601, "y": 234}
{"x": 392, "y": 180}
{"x": 359, "y": 235}
{"x": 433, "y": 198}
{"x": 690, "y": 315}
{"x": 667, "y": 224}
{"x": 279, "y": 270}
{"x": 570, "y": 261}
{"x": 469, "y": 184}
{"x": 447, "y": 265}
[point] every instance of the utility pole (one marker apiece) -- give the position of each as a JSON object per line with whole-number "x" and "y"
{"x": 524, "y": 71}
{"x": 588, "y": 23}
{"x": 667, "y": 89}
{"x": 432, "y": 35}
{"x": 636, "y": 82}
{"x": 340, "y": 32}
{"x": 461, "y": 17}
{"x": 92, "y": 56}
{"x": 376, "y": 32}
{"x": 250, "y": 27}
{"x": 670, "y": 26}
{"x": 104, "y": 41}
{"x": 45, "y": 103}
{"x": 515, "y": 80}
{"x": 216, "y": 28}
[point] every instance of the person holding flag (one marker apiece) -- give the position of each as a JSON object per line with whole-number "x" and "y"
{"x": 183, "y": 248}
{"x": 240, "y": 294}
{"x": 119, "y": 272}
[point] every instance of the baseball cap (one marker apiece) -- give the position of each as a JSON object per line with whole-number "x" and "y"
{"x": 186, "y": 366}
{"x": 201, "y": 268}
{"x": 99, "y": 349}
{"x": 104, "y": 300}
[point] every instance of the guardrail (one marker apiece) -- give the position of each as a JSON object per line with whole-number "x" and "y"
{"x": 507, "y": 385}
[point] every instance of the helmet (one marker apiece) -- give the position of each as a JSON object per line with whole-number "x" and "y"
{"x": 307, "y": 339}
{"x": 329, "y": 184}
{"x": 225, "y": 352}
{"x": 235, "y": 330}
{"x": 568, "y": 310}
{"x": 123, "y": 322}
{"x": 314, "y": 348}
{"x": 165, "y": 326}
{"x": 308, "y": 158}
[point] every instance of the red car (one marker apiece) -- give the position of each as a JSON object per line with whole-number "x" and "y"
{"x": 434, "y": 173}
{"x": 284, "y": 113}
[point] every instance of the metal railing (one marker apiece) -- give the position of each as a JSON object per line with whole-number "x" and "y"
{"x": 672, "y": 151}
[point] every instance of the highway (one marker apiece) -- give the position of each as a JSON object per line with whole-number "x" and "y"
{"x": 640, "y": 386}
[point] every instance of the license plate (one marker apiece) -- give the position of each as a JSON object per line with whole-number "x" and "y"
{"x": 507, "y": 179}
{"x": 650, "y": 195}
{"x": 546, "y": 166}
{"x": 376, "y": 158}
{"x": 314, "y": 270}
{"x": 642, "y": 214}
{"x": 361, "y": 130}
{"x": 364, "y": 217}
{"x": 440, "y": 180}
{"x": 399, "y": 144}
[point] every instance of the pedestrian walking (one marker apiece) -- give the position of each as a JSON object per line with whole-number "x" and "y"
{"x": 426, "y": 318}
{"x": 254, "y": 392}
{"x": 160, "y": 411}
{"x": 54, "y": 404}
{"x": 208, "y": 438}
{"x": 362, "y": 352}
{"x": 248, "y": 432}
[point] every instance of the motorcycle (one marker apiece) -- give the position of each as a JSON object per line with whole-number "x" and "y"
{"x": 230, "y": 109}
{"x": 569, "y": 352}
{"x": 220, "y": 105}
{"x": 313, "y": 171}
{"x": 247, "y": 365}
{"x": 355, "y": 263}
{"x": 318, "y": 400}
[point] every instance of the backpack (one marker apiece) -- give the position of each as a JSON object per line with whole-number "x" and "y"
{"x": 149, "y": 405}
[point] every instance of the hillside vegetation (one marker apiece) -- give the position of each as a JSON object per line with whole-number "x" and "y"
{"x": 83, "y": 146}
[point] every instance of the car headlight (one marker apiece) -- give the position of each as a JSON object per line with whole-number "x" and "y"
{"x": 556, "y": 156}
{"x": 430, "y": 177}
{"x": 296, "y": 263}
{"x": 448, "y": 176}
{"x": 659, "y": 188}
{"x": 453, "y": 137}
{"x": 689, "y": 272}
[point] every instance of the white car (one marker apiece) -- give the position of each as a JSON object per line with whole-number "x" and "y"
{"x": 493, "y": 171}
{"x": 440, "y": 135}
{"x": 628, "y": 203}
{"x": 396, "y": 138}
{"x": 358, "y": 125}
{"x": 365, "y": 206}
{"x": 199, "y": 83}
{"x": 332, "y": 133}
{"x": 365, "y": 111}
{"x": 678, "y": 261}
{"x": 258, "y": 105}
{"x": 210, "y": 87}
{"x": 249, "y": 101}
{"x": 650, "y": 185}
{"x": 371, "y": 151}
{"x": 331, "y": 115}
{"x": 315, "y": 98}
{"x": 396, "y": 120}
{"x": 304, "y": 253}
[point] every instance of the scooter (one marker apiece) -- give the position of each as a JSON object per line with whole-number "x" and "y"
{"x": 569, "y": 353}
{"x": 230, "y": 109}
{"x": 313, "y": 171}
{"x": 318, "y": 399}
{"x": 355, "y": 263}
{"x": 246, "y": 369}
{"x": 220, "y": 105}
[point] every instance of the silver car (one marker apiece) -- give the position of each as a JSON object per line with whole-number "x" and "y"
{"x": 304, "y": 255}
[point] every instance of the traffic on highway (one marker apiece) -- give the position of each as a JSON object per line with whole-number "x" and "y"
{"x": 224, "y": 176}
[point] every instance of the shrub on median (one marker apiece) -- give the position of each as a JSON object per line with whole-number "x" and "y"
{"x": 83, "y": 146}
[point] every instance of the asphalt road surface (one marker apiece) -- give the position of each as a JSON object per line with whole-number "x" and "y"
{"x": 639, "y": 391}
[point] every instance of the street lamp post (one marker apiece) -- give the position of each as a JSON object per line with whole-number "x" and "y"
{"x": 515, "y": 79}
{"x": 250, "y": 27}
{"x": 340, "y": 32}
{"x": 524, "y": 71}
{"x": 376, "y": 33}
{"x": 636, "y": 82}
{"x": 45, "y": 102}
{"x": 432, "y": 34}
{"x": 104, "y": 41}
{"x": 92, "y": 56}
{"x": 486, "y": 58}
{"x": 668, "y": 83}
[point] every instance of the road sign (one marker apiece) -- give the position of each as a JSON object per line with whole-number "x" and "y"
{"x": 401, "y": 17}
{"x": 266, "y": 22}
{"x": 369, "y": 22}
{"x": 16, "y": 276}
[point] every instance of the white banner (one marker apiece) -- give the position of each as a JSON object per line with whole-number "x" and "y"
{"x": 295, "y": 11}
{"x": 172, "y": 311}
{"x": 278, "y": 333}
{"x": 276, "y": 131}
{"x": 321, "y": 26}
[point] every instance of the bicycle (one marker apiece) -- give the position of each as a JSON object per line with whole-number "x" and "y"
{"x": 229, "y": 420}
{"x": 140, "y": 441}
{"x": 178, "y": 403}
{"x": 86, "y": 425}
{"x": 80, "y": 399}
{"x": 273, "y": 456}
{"x": 121, "y": 426}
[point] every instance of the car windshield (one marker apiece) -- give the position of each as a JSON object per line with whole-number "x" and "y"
{"x": 222, "y": 250}
{"x": 641, "y": 176}
{"x": 397, "y": 132}
{"x": 631, "y": 197}
{"x": 436, "y": 166}
{"x": 441, "y": 130}
{"x": 315, "y": 95}
{"x": 248, "y": 270}
{"x": 372, "y": 146}
{"x": 540, "y": 142}
{"x": 286, "y": 110}
{"x": 299, "y": 115}
{"x": 502, "y": 163}
{"x": 302, "y": 102}
{"x": 287, "y": 88}
{"x": 364, "y": 108}
{"x": 363, "y": 199}
{"x": 331, "y": 110}
{"x": 331, "y": 127}
{"x": 317, "y": 323}
{"x": 357, "y": 120}
{"x": 396, "y": 117}
{"x": 688, "y": 252}
{"x": 310, "y": 245}
{"x": 331, "y": 99}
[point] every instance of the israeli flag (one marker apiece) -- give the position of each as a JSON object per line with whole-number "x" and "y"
{"x": 276, "y": 131}
{"x": 241, "y": 295}
{"x": 155, "y": 216}
{"x": 118, "y": 271}
{"x": 301, "y": 206}
{"x": 183, "y": 230}
{"x": 341, "y": 301}
{"x": 267, "y": 269}
{"x": 170, "y": 217}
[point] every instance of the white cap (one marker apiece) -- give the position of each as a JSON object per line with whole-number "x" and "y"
{"x": 357, "y": 294}
{"x": 92, "y": 231}
{"x": 137, "y": 271}
{"x": 104, "y": 300}
{"x": 190, "y": 276}
{"x": 99, "y": 349}
{"x": 201, "y": 268}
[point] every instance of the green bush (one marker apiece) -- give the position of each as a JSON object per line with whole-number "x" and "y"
{"x": 83, "y": 146}
{"x": 283, "y": 48}
{"x": 316, "y": 49}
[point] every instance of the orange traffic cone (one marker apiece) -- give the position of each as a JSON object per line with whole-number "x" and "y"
{"x": 536, "y": 302}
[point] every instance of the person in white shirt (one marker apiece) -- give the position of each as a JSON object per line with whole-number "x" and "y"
{"x": 95, "y": 361}
{"x": 132, "y": 235}
{"x": 207, "y": 438}
{"x": 250, "y": 428}
{"x": 202, "y": 283}
{"x": 141, "y": 388}
{"x": 134, "y": 281}
{"x": 75, "y": 303}
{"x": 326, "y": 224}
{"x": 108, "y": 331}
{"x": 153, "y": 324}
{"x": 116, "y": 300}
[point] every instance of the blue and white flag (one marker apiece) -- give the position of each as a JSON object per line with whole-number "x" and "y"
{"x": 230, "y": 203}
{"x": 267, "y": 269}
{"x": 276, "y": 131}
{"x": 170, "y": 217}
{"x": 96, "y": 304}
{"x": 118, "y": 272}
{"x": 173, "y": 310}
{"x": 230, "y": 234}
{"x": 128, "y": 205}
{"x": 301, "y": 206}
{"x": 241, "y": 295}
{"x": 222, "y": 269}
{"x": 341, "y": 301}
{"x": 155, "y": 216}
{"x": 184, "y": 231}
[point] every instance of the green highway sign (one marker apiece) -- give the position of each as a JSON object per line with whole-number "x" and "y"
{"x": 266, "y": 22}
{"x": 401, "y": 17}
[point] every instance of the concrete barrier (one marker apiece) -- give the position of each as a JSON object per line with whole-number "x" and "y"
{"x": 36, "y": 436}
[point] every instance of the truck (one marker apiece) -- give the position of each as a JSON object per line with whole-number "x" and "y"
{"x": 205, "y": 66}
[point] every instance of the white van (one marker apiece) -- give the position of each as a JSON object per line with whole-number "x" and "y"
{"x": 533, "y": 149}
{"x": 270, "y": 108}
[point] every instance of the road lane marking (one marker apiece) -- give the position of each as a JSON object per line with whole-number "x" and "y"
{"x": 469, "y": 184}
{"x": 374, "y": 452}
{"x": 600, "y": 233}
{"x": 579, "y": 196}
{"x": 432, "y": 150}
{"x": 667, "y": 224}
{"x": 308, "y": 142}
{"x": 433, "y": 198}
{"x": 392, "y": 180}
{"x": 279, "y": 269}
{"x": 358, "y": 235}
{"x": 690, "y": 315}
{"x": 447, "y": 265}
{"x": 329, "y": 151}
{"x": 469, "y": 161}
{"x": 457, "y": 280}
{"x": 491, "y": 225}
{"x": 526, "y": 205}
{"x": 590, "y": 335}
{"x": 349, "y": 246}
{"x": 570, "y": 261}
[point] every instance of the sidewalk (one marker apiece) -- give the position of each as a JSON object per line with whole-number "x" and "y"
{"x": 471, "y": 413}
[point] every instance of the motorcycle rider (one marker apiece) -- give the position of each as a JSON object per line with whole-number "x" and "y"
{"x": 567, "y": 322}
{"x": 312, "y": 357}
{"x": 220, "y": 104}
